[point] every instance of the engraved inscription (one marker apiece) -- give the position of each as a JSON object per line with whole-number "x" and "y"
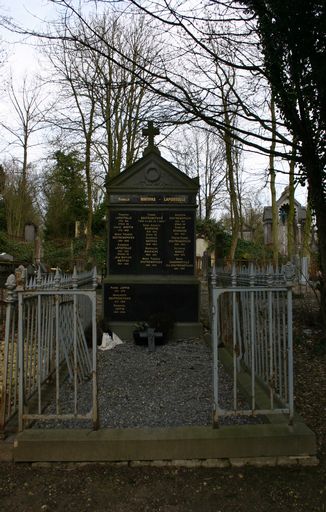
{"x": 151, "y": 242}
{"x": 180, "y": 241}
{"x": 151, "y": 224}
{"x": 152, "y": 198}
{"x": 139, "y": 301}
{"x": 123, "y": 236}
{"x": 119, "y": 299}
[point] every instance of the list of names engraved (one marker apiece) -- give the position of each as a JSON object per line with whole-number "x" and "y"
{"x": 151, "y": 242}
{"x": 119, "y": 299}
{"x": 123, "y": 237}
{"x": 180, "y": 241}
{"x": 151, "y": 224}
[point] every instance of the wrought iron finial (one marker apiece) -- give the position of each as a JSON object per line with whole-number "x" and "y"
{"x": 270, "y": 274}
{"x": 39, "y": 277}
{"x": 252, "y": 274}
{"x": 233, "y": 275}
{"x": 289, "y": 272}
{"x": 213, "y": 276}
{"x": 75, "y": 278}
{"x": 20, "y": 274}
{"x": 10, "y": 286}
{"x": 57, "y": 278}
{"x": 94, "y": 279}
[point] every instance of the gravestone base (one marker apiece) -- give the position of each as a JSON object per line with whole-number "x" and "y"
{"x": 181, "y": 330}
{"x": 128, "y": 300}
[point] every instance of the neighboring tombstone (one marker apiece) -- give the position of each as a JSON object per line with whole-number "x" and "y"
{"x": 30, "y": 232}
{"x": 151, "y": 246}
{"x": 282, "y": 205}
{"x": 201, "y": 246}
{"x": 304, "y": 277}
{"x": 4, "y": 256}
{"x": 6, "y": 267}
{"x": 37, "y": 250}
{"x": 206, "y": 264}
{"x": 77, "y": 228}
{"x": 201, "y": 249}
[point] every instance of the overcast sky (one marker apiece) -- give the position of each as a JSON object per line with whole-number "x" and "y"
{"x": 24, "y": 59}
{"x": 31, "y": 13}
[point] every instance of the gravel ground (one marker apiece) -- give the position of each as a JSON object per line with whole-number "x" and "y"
{"x": 137, "y": 388}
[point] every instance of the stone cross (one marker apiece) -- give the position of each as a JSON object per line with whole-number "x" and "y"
{"x": 151, "y": 336}
{"x": 150, "y": 132}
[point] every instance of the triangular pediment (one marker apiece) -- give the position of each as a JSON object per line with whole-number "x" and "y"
{"x": 285, "y": 198}
{"x": 152, "y": 173}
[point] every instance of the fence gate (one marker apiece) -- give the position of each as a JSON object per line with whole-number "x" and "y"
{"x": 45, "y": 345}
{"x": 252, "y": 317}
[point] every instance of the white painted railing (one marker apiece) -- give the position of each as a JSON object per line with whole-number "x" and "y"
{"x": 252, "y": 317}
{"x": 44, "y": 342}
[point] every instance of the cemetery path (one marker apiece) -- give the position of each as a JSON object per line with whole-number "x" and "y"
{"x": 101, "y": 487}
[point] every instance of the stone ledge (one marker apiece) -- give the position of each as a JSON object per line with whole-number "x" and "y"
{"x": 258, "y": 462}
{"x": 236, "y": 443}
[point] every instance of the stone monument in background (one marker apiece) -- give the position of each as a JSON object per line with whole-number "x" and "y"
{"x": 151, "y": 246}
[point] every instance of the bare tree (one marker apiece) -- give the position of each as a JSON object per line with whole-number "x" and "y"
{"x": 27, "y": 119}
{"x": 105, "y": 102}
{"x": 201, "y": 154}
{"x": 28, "y": 109}
{"x": 123, "y": 99}
{"x": 76, "y": 75}
{"x": 14, "y": 190}
{"x": 290, "y": 58}
{"x": 190, "y": 38}
{"x": 231, "y": 170}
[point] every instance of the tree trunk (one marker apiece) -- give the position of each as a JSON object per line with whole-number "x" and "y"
{"x": 233, "y": 196}
{"x": 318, "y": 203}
{"x": 291, "y": 216}
{"x": 272, "y": 174}
{"x": 306, "y": 238}
{"x": 89, "y": 233}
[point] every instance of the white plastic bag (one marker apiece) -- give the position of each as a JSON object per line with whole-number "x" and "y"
{"x": 109, "y": 342}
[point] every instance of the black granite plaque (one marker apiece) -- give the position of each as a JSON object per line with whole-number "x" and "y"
{"x": 151, "y": 242}
{"x": 137, "y": 302}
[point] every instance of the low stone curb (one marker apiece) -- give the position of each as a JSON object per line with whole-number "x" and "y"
{"x": 258, "y": 462}
{"x": 227, "y": 463}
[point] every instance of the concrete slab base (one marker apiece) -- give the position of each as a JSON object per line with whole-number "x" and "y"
{"x": 181, "y": 330}
{"x": 166, "y": 444}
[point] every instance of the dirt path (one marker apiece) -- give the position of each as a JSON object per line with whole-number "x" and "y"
{"x": 104, "y": 488}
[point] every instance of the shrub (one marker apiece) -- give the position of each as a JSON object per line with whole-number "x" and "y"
{"x": 21, "y": 251}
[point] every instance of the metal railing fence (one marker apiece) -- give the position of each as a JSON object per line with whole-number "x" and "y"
{"x": 44, "y": 341}
{"x": 252, "y": 316}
